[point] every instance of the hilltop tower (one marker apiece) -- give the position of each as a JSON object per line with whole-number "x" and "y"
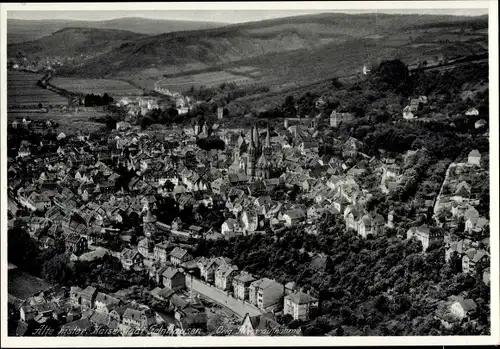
{"x": 149, "y": 224}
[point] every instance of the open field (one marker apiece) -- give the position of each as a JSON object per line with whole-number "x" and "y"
{"x": 22, "y": 285}
{"x": 69, "y": 122}
{"x": 96, "y": 86}
{"x": 183, "y": 83}
{"x": 22, "y": 91}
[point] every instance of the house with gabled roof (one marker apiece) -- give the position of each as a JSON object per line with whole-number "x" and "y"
{"x": 75, "y": 243}
{"x": 370, "y": 225}
{"x": 293, "y": 217}
{"x": 463, "y": 191}
{"x": 131, "y": 259}
{"x": 209, "y": 266}
{"x": 426, "y": 235}
{"x": 104, "y": 303}
{"x": 456, "y": 310}
{"x": 138, "y": 317}
{"x": 471, "y": 258}
{"x": 87, "y": 297}
{"x": 241, "y": 285}
{"x": 174, "y": 279}
{"x": 179, "y": 255}
{"x": 160, "y": 251}
{"x": 224, "y": 275}
{"x": 301, "y": 306}
{"x": 474, "y": 158}
{"x": 265, "y": 325}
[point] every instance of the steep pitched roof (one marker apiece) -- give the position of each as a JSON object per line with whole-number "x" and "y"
{"x": 170, "y": 272}
{"x": 106, "y": 299}
{"x": 474, "y": 153}
{"x": 88, "y": 292}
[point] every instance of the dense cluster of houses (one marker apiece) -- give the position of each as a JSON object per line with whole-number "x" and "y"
{"x": 89, "y": 312}
{"x": 182, "y": 103}
{"x": 457, "y": 202}
{"x": 77, "y": 189}
{"x": 414, "y": 110}
{"x": 178, "y": 271}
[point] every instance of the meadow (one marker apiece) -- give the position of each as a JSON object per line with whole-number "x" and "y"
{"x": 96, "y": 86}
{"x": 69, "y": 122}
{"x": 23, "y": 92}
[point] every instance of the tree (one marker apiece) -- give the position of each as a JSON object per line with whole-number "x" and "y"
{"x": 57, "y": 270}
{"x": 288, "y": 107}
{"x": 336, "y": 84}
{"x": 393, "y": 75}
{"x": 210, "y": 143}
{"x": 22, "y": 250}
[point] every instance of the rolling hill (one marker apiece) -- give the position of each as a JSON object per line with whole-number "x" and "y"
{"x": 279, "y": 51}
{"x": 75, "y": 42}
{"x": 28, "y": 30}
{"x": 184, "y": 51}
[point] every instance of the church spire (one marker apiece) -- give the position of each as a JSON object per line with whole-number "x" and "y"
{"x": 268, "y": 137}
{"x": 251, "y": 145}
{"x": 256, "y": 136}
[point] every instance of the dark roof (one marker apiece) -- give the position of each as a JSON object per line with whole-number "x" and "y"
{"x": 166, "y": 293}
{"x": 170, "y": 272}
{"x": 178, "y": 252}
{"x": 106, "y": 299}
{"x": 88, "y": 292}
{"x": 263, "y": 322}
{"x": 82, "y": 324}
{"x": 120, "y": 310}
{"x": 301, "y": 298}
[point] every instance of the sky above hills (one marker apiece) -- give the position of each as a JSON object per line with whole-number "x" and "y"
{"x": 225, "y": 16}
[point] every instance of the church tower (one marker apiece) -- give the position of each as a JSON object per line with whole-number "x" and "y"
{"x": 252, "y": 154}
{"x": 149, "y": 224}
{"x": 263, "y": 167}
{"x": 256, "y": 139}
{"x": 267, "y": 150}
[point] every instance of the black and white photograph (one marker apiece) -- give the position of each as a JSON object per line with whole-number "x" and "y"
{"x": 250, "y": 171}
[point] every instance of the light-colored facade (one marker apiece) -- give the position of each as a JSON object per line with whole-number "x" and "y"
{"x": 265, "y": 293}
{"x": 300, "y": 306}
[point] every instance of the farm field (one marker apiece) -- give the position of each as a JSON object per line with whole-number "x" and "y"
{"x": 69, "y": 122}
{"x": 23, "y": 92}
{"x": 96, "y": 86}
{"x": 183, "y": 83}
